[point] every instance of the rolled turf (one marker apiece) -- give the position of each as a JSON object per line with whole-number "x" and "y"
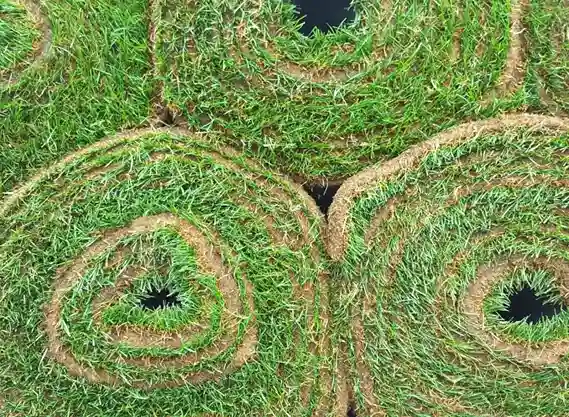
{"x": 329, "y": 105}
{"x": 154, "y": 273}
{"x": 440, "y": 254}
{"x": 25, "y": 36}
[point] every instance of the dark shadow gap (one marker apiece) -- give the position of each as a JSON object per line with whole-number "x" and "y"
{"x": 158, "y": 298}
{"x": 351, "y": 410}
{"x": 325, "y": 15}
{"x": 526, "y": 304}
{"x": 165, "y": 117}
{"x": 323, "y": 194}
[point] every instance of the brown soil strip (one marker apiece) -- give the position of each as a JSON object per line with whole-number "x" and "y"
{"x": 321, "y": 347}
{"x": 387, "y": 211}
{"x": 67, "y": 278}
{"x": 52, "y": 170}
{"x": 40, "y": 49}
{"x": 209, "y": 261}
{"x": 344, "y": 394}
{"x": 100, "y": 171}
{"x": 159, "y": 108}
{"x": 369, "y": 179}
{"x": 509, "y": 182}
{"x": 154, "y": 12}
{"x": 382, "y": 215}
{"x": 366, "y": 381}
{"x": 339, "y": 215}
{"x": 283, "y": 194}
{"x": 532, "y": 354}
{"x": 365, "y": 378}
{"x": 241, "y": 200}
{"x": 456, "y": 46}
{"x": 515, "y": 69}
{"x": 553, "y": 106}
{"x": 119, "y": 140}
{"x": 319, "y": 343}
{"x": 549, "y": 99}
{"x": 514, "y": 73}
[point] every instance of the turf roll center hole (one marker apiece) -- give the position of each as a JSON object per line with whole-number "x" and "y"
{"x": 324, "y": 15}
{"x": 526, "y": 304}
{"x": 159, "y": 298}
{"x": 351, "y": 411}
{"x": 323, "y": 194}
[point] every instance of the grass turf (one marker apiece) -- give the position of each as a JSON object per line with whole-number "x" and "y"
{"x": 91, "y": 80}
{"x": 18, "y": 33}
{"x": 430, "y": 247}
{"x": 168, "y": 210}
{"x": 164, "y": 206}
{"x": 549, "y": 34}
{"x": 327, "y": 105}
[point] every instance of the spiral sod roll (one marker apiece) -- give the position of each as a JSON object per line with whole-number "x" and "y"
{"x": 25, "y": 35}
{"x": 329, "y": 104}
{"x": 86, "y": 244}
{"x": 431, "y": 249}
{"x": 549, "y": 35}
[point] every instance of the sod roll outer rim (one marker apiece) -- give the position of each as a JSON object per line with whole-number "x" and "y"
{"x": 330, "y": 105}
{"x": 338, "y": 216}
{"x": 510, "y": 79}
{"x": 548, "y": 45}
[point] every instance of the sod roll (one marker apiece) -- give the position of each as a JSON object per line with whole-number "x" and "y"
{"x": 432, "y": 252}
{"x": 154, "y": 273}
{"x": 71, "y": 73}
{"x": 329, "y": 104}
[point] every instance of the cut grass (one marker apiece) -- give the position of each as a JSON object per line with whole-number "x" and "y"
{"x": 92, "y": 81}
{"x": 236, "y": 248}
{"x": 327, "y": 105}
{"x": 162, "y": 208}
{"x": 18, "y": 34}
{"x": 429, "y": 247}
{"x": 549, "y": 34}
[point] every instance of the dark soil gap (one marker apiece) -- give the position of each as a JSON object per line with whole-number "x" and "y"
{"x": 166, "y": 117}
{"x": 325, "y": 15}
{"x": 526, "y": 304}
{"x": 351, "y": 410}
{"x": 160, "y": 298}
{"x": 323, "y": 194}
